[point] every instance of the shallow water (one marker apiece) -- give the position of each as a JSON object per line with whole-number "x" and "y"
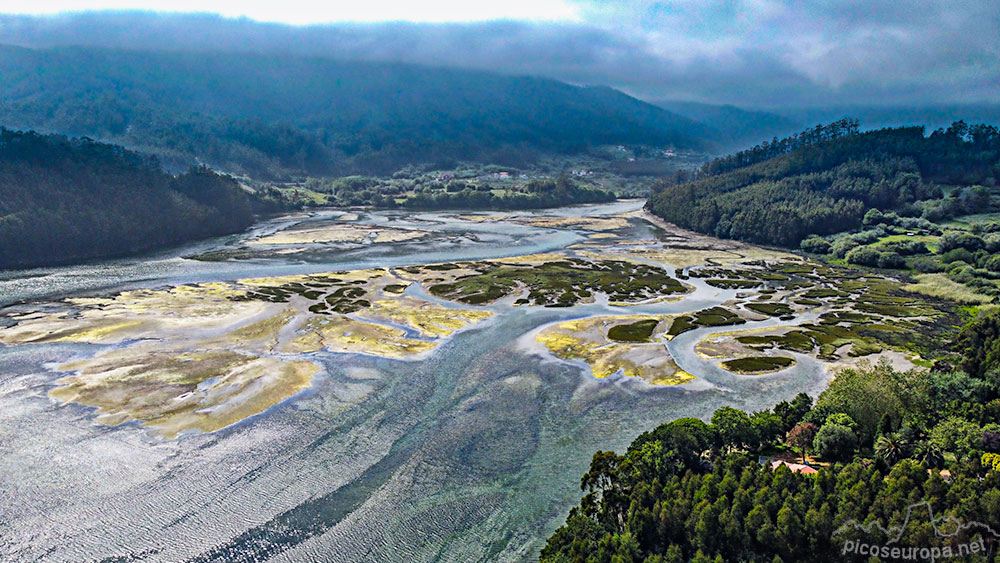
{"x": 472, "y": 454}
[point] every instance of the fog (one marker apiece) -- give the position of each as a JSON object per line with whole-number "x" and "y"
{"x": 754, "y": 53}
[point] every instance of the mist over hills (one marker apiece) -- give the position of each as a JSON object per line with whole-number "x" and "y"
{"x": 270, "y": 100}
{"x": 927, "y": 52}
{"x": 265, "y": 114}
{"x": 733, "y": 128}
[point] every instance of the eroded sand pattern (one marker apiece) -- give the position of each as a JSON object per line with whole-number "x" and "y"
{"x": 206, "y": 356}
{"x": 181, "y": 390}
{"x": 339, "y": 233}
{"x": 583, "y": 223}
{"x": 588, "y": 340}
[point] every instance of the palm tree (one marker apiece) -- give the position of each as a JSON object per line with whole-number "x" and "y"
{"x": 891, "y": 448}
{"x": 929, "y": 454}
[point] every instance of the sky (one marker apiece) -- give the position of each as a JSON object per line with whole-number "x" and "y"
{"x": 758, "y": 53}
{"x": 304, "y": 12}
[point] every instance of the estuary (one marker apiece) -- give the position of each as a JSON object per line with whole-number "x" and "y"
{"x": 385, "y": 386}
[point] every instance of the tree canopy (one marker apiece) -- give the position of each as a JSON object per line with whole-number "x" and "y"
{"x": 67, "y": 199}
{"x": 695, "y": 491}
{"x": 827, "y": 179}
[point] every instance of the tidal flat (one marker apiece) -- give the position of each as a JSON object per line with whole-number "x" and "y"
{"x": 316, "y": 402}
{"x": 205, "y": 356}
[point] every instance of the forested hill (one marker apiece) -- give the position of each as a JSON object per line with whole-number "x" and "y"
{"x": 268, "y": 115}
{"x": 824, "y": 180}
{"x": 65, "y": 200}
{"x": 690, "y": 491}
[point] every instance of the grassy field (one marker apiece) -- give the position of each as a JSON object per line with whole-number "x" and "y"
{"x": 938, "y": 285}
{"x": 966, "y": 220}
{"x": 306, "y": 195}
{"x": 929, "y": 240}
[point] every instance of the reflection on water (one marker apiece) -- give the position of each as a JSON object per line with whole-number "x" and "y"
{"x": 451, "y": 239}
{"x": 473, "y": 454}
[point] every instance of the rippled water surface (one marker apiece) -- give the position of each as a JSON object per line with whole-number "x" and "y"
{"x": 473, "y": 454}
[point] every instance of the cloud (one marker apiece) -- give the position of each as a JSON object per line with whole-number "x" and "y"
{"x": 845, "y": 51}
{"x": 301, "y": 12}
{"x": 767, "y": 53}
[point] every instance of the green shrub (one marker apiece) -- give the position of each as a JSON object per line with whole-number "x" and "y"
{"x": 841, "y": 419}
{"x": 979, "y": 344}
{"x": 873, "y": 217}
{"x": 991, "y": 242}
{"x": 906, "y": 247}
{"x": 992, "y": 263}
{"x": 842, "y": 246}
{"x": 815, "y": 245}
{"x": 926, "y": 265}
{"x": 835, "y": 441}
{"x": 959, "y": 239}
{"x": 891, "y": 260}
{"x": 863, "y": 256}
{"x": 958, "y": 255}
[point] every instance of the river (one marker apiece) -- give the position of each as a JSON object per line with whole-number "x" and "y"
{"x": 472, "y": 454}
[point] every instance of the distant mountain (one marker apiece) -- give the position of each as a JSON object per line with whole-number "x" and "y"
{"x": 734, "y": 128}
{"x": 271, "y": 115}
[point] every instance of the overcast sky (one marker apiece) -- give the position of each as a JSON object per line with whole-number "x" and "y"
{"x": 304, "y": 12}
{"x": 746, "y": 52}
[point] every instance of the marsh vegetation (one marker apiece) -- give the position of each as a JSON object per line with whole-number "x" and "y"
{"x": 562, "y": 283}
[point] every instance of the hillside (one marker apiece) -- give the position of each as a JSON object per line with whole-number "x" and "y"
{"x": 826, "y": 179}
{"x": 65, "y": 200}
{"x": 731, "y": 127}
{"x": 793, "y": 482}
{"x": 662, "y": 501}
{"x": 270, "y": 115}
